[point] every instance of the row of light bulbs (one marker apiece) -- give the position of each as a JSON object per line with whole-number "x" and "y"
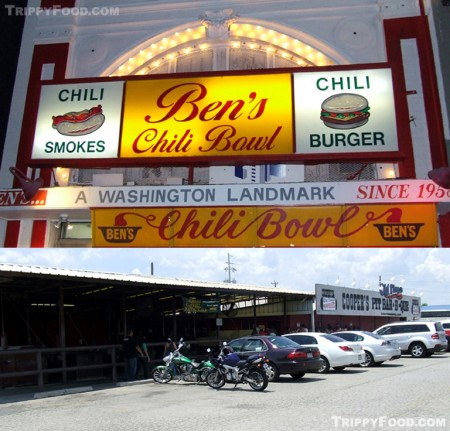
{"x": 241, "y": 35}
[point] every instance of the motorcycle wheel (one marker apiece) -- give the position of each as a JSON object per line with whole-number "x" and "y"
{"x": 257, "y": 380}
{"x": 161, "y": 375}
{"x": 215, "y": 379}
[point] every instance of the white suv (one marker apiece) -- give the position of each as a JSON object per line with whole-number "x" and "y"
{"x": 419, "y": 339}
{"x": 446, "y": 326}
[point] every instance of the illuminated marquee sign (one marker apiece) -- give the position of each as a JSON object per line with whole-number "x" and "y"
{"x": 208, "y": 117}
{"x": 362, "y": 302}
{"x": 253, "y": 226}
{"x": 273, "y": 116}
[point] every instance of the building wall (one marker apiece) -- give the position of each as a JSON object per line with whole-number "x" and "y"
{"x": 441, "y": 18}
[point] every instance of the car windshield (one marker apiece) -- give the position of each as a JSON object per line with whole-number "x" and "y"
{"x": 438, "y": 326}
{"x": 373, "y": 335}
{"x": 333, "y": 338}
{"x": 283, "y": 342}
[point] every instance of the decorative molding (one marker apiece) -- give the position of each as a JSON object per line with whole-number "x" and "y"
{"x": 56, "y": 34}
{"x": 398, "y": 8}
{"x": 217, "y": 23}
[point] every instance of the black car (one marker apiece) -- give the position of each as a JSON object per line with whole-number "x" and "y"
{"x": 285, "y": 356}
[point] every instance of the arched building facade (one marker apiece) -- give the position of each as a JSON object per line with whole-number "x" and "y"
{"x": 74, "y": 43}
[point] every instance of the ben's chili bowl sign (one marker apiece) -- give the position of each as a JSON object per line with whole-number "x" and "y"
{"x": 345, "y": 111}
{"x": 208, "y": 117}
{"x": 346, "y": 225}
{"x": 78, "y": 121}
{"x": 213, "y": 117}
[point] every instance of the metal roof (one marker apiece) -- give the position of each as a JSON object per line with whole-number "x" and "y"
{"x": 35, "y": 298}
{"x": 9, "y": 271}
{"x": 435, "y": 307}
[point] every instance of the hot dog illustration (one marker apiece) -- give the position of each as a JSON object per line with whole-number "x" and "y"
{"x": 79, "y": 123}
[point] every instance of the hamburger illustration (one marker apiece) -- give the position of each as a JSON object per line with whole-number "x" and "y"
{"x": 79, "y": 123}
{"x": 345, "y": 111}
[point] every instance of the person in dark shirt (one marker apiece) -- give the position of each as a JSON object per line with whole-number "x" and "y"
{"x": 143, "y": 360}
{"x": 131, "y": 350}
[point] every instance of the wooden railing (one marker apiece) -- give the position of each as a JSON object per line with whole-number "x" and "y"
{"x": 44, "y": 366}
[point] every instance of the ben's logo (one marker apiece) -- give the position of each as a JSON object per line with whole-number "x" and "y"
{"x": 395, "y": 230}
{"x": 120, "y": 232}
{"x": 10, "y": 198}
{"x": 391, "y": 291}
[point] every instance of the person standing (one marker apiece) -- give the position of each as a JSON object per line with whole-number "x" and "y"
{"x": 131, "y": 350}
{"x": 143, "y": 360}
{"x": 170, "y": 347}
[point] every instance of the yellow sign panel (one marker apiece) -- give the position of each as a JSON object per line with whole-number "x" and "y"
{"x": 208, "y": 117}
{"x": 406, "y": 225}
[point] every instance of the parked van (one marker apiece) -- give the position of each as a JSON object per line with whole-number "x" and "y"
{"x": 417, "y": 338}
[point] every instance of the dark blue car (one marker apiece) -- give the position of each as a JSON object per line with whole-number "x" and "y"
{"x": 285, "y": 356}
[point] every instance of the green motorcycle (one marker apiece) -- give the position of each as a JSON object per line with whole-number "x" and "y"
{"x": 178, "y": 366}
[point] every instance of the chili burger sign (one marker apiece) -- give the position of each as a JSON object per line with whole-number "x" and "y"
{"x": 345, "y": 111}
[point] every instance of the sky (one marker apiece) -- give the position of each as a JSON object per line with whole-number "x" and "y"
{"x": 423, "y": 272}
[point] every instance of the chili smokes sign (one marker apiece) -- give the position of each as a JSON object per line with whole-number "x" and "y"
{"x": 78, "y": 120}
{"x": 282, "y": 115}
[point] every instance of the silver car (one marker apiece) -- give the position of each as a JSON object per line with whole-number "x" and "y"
{"x": 377, "y": 349}
{"x": 419, "y": 339}
{"x": 335, "y": 352}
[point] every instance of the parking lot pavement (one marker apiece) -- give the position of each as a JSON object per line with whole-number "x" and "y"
{"x": 24, "y": 393}
{"x": 388, "y": 397}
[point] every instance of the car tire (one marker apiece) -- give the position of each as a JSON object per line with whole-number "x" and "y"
{"x": 325, "y": 368}
{"x": 417, "y": 350}
{"x": 297, "y": 376}
{"x": 368, "y": 359}
{"x": 273, "y": 373}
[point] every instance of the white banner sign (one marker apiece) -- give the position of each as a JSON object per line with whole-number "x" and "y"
{"x": 388, "y": 300}
{"x": 298, "y": 194}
